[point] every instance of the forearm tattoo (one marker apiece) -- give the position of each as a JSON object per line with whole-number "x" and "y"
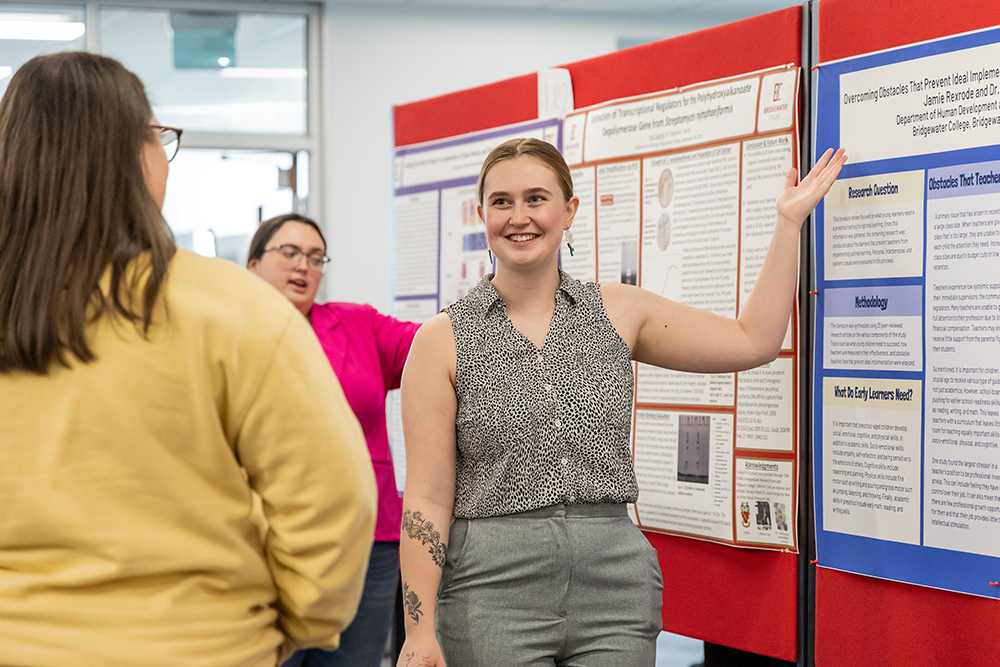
{"x": 419, "y": 529}
{"x": 414, "y": 659}
{"x": 412, "y": 603}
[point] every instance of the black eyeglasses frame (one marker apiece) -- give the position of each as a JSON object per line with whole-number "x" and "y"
{"x": 166, "y": 139}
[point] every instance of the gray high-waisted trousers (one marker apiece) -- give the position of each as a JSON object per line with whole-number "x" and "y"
{"x": 573, "y": 586}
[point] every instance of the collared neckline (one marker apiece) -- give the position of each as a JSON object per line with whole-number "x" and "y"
{"x": 323, "y": 318}
{"x": 486, "y": 298}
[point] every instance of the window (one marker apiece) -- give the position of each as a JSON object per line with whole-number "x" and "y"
{"x": 30, "y": 30}
{"x": 237, "y": 82}
{"x": 244, "y": 187}
{"x": 215, "y": 71}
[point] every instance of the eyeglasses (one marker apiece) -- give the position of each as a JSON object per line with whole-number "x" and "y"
{"x": 170, "y": 138}
{"x": 292, "y": 254}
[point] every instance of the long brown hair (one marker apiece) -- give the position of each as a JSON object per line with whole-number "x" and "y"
{"x": 73, "y": 202}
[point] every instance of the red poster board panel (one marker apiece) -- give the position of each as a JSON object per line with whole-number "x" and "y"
{"x": 853, "y": 27}
{"x": 481, "y": 108}
{"x": 877, "y": 623}
{"x": 743, "y": 598}
{"x": 753, "y": 44}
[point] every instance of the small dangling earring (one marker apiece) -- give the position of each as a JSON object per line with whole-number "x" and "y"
{"x": 490, "y": 253}
{"x": 568, "y": 237}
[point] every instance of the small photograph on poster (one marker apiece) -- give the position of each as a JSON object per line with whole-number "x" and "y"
{"x": 665, "y": 194}
{"x": 763, "y": 515}
{"x": 693, "y": 445}
{"x": 630, "y": 262}
{"x": 780, "y": 517}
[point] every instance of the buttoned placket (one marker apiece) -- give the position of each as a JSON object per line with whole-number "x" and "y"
{"x": 549, "y": 391}
{"x": 558, "y": 337}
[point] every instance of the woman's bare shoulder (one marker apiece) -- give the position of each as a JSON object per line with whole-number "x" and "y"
{"x": 434, "y": 347}
{"x": 435, "y": 331}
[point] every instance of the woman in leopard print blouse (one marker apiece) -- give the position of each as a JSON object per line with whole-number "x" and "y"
{"x": 516, "y": 411}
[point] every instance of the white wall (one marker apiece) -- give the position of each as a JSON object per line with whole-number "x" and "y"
{"x": 376, "y": 58}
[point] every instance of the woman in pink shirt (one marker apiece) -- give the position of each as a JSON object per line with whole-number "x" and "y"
{"x": 367, "y": 351}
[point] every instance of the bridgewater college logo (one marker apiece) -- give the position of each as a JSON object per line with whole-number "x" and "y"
{"x": 745, "y": 514}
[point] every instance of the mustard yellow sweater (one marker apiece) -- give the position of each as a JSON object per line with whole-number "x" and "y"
{"x": 126, "y": 527}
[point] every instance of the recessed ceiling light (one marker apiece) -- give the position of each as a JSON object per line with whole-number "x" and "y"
{"x": 14, "y": 16}
{"x": 224, "y": 62}
{"x": 41, "y": 31}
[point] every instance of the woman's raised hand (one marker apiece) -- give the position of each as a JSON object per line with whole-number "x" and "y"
{"x": 796, "y": 202}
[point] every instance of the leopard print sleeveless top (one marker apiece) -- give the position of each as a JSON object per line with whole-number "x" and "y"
{"x": 537, "y": 427}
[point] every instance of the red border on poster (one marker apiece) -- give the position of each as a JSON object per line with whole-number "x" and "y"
{"x": 742, "y": 598}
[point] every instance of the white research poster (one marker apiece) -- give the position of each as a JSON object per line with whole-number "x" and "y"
{"x": 677, "y": 196}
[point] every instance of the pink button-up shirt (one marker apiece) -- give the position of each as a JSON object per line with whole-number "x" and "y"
{"x": 367, "y": 351}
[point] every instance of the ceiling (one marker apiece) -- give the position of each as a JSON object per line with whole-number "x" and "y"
{"x": 709, "y": 12}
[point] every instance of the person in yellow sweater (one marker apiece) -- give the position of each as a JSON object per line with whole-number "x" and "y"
{"x": 146, "y": 393}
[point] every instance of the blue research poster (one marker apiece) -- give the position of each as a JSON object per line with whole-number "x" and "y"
{"x": 907, "y": 361}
